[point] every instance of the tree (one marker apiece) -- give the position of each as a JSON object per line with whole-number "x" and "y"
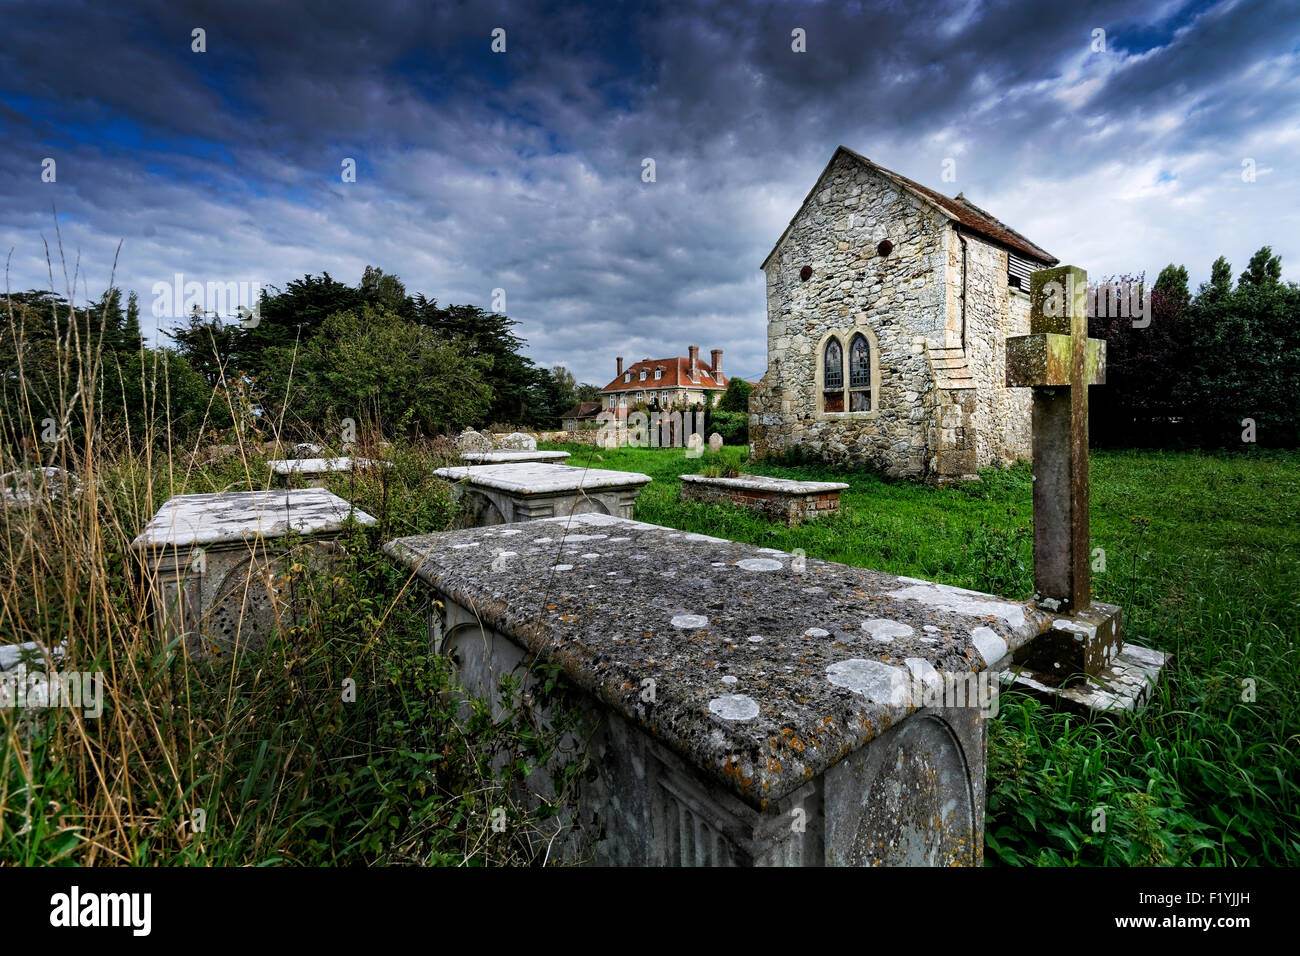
{"x": 289, "y": 318}
{"x": 156, "y": 395}
{"x": 1264, "y": 270}
{"x": 1143, "y": 364}
{"x": 736, "y": 397}
{"x": 1243, "y": 348}
{"x": 522, "y": 391}
{"x": 1172, "y": 286}
{"x": 385, "y": 291}
{"x": 132, "y": 339}
{"x": 378, "y": 368}
{"x": 210, "y": 345}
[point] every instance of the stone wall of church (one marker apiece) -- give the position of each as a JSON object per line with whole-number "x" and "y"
{"x": 899, "y": 297}
{"x": 993, "y": 312}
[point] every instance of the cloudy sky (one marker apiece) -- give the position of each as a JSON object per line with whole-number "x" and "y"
{"x": 522, "y": 170}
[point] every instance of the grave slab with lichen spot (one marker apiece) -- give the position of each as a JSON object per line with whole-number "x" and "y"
{"x": 507, "y": 456}
{"x": 188, "y": 520}
{"x": 538, "y": 478}
{"x": 817, "y": 650}
{"x": 530, "y": 490}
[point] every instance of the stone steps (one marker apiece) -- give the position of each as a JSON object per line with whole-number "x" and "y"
{"x": 950, "y": 367}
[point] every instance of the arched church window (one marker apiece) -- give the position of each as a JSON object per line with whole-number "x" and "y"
{"x": 833, "y": 376}
{"x": 859, "y": 374}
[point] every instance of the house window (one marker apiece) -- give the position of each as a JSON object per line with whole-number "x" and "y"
{"x": 659, "y": 373}
{"x": 611, "y": 401}
{"x": 640, "y": 396}
{"x": 627, "y": 377}
{"x": 859, "y": 374}
{"x": 642, "y": 378}
{"x": 833, "y": 376}
{"x": 663, "y": 398}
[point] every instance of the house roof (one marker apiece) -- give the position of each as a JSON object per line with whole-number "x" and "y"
{"x": 675, "y": 376}
{"x": 959, "y": 209}
{"x": 583, "y": 410}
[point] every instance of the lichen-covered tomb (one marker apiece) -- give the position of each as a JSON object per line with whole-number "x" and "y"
{"x": 888, "y": 309}
{"x": 743, "y": 706}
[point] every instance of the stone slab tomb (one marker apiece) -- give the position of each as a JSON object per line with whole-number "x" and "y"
{"x": 210, "y": 562}
{"x": 313, "y": 471}
{"x": 525, "y": 491}
{"x": 746, "y": 706}
{"x": 779, "y": 499}
{"x": 508, "y": 456}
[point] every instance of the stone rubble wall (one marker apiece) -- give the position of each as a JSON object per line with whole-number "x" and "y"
{"x": 994, "y": 312}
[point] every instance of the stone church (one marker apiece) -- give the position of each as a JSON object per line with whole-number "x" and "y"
{"x": 888, "y": 310}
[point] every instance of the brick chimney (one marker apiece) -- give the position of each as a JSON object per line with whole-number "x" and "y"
{"x": 716, "y": 368}
{"x": 694, "y": 352}
{"x": 620, "y": 366}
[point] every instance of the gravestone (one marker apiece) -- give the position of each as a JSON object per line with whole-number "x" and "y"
{"x": 518, "y": 441}
{"x": 715, "y": 443}
{"x": 527, "y": 491}
{"x": 1082, "y": 660}
{"x": 743, "y": 705}
{"x": 509, "y": 456}
{"x": 38, "y": 486}
{"x": 212, "y": 562}
{"x": 470, "y": 440}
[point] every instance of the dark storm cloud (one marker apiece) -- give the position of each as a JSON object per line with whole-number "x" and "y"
{"x": 522, "y": 171}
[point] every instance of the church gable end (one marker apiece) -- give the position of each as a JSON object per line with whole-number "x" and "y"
{"x": 887, "y": 316}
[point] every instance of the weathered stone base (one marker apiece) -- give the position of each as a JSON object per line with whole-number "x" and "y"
{"x": 914, "y": 796}
{"x": 778, "y": 499}
{"x": 526, "y": 491}
{"x": 1085, "y": 643}
{"x": 1124, "y": 686}
{"x": 491, "y": 506}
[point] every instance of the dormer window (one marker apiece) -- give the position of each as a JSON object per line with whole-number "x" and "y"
{"x": 659, "y": 373}
{"x": 642, "y": 375}
{"x": 627, "y": 377}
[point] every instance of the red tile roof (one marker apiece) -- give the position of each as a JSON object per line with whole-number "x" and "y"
{"x": 961, "y": 209}
{"x": 675, "y": 376}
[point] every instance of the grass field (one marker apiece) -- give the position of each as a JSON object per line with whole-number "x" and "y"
{"x": 1203, "y": 553}
{"x": 260, "y": 759}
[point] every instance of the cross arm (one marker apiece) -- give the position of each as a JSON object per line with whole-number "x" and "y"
{"x": 1044, "y": 358}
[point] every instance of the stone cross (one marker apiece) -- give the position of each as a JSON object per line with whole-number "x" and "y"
{"x": 1059, "y": 361}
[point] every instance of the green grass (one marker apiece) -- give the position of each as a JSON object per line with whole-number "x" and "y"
{"x": 1203, "y": 553}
